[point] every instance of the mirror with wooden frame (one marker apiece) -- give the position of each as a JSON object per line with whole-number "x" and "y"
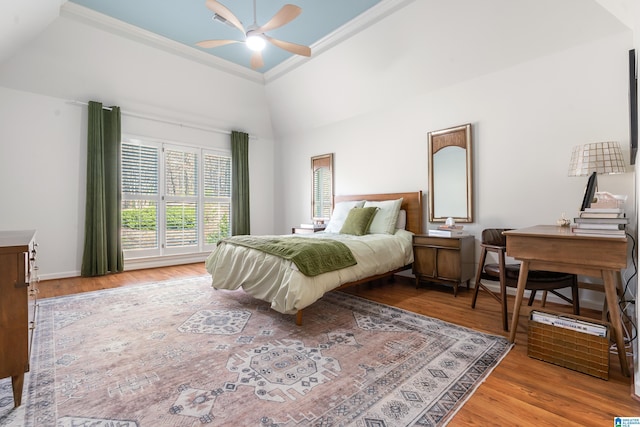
{"x": 321, "y": 187}
{"x": 450, "y": 174}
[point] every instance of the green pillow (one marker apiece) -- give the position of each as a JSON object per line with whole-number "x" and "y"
{"x": 358, "y": 221}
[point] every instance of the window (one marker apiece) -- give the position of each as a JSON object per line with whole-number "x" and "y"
{"x": 217, "y": 197}
{"x": 175, "y": 199}
{"x": 181, "y": 198}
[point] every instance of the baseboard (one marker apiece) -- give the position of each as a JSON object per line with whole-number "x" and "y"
{"x": 139, "y": 264}
{"x": 588, "y": 298}
{"x": 154, "y": 262}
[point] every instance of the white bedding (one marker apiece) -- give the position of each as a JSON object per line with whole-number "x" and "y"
{"x": 278, "y": 281}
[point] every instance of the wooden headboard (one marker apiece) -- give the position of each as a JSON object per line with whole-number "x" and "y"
{"x": 411, "y": 202}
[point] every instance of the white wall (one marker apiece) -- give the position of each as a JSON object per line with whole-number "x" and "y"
{"x": 43, "y": 136}
{"x": 628, "y": 11}
{"x": 527, "y": 114}
{"x": 42, "y": 170}
{"x": 22, "y": 20}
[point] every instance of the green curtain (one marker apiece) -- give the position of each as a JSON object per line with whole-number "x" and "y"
{"x": 102, "y": 242}
{"x": 240, "y": 217}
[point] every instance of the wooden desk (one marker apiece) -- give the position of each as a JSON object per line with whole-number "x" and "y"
{"x": 553, "y": 248}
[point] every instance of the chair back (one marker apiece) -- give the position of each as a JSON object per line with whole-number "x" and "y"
{"x": 494, "y": 236}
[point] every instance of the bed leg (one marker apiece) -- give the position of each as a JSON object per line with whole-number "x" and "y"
{"x": 299, "y": 318}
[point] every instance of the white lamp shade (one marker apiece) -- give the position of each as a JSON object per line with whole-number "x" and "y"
{"x": 600, "y": 157}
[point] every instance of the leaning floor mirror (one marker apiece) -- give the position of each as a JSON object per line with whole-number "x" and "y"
{"x": 321, "y": 187}
{"x": 450, "y": 174}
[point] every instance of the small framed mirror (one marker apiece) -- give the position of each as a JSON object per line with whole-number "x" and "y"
{"x": 321, "y": 187}
{"x": 450, "y": 174}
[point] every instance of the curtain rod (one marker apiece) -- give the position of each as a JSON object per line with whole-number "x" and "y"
{"x": 158, "y": 119}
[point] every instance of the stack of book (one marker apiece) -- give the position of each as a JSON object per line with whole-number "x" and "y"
{"x": 314, "y": 226}
{"x": 605, "y": 222}
{"x": 448, "y": 231}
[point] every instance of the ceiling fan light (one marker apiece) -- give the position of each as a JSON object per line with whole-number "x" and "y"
{"x": 256, "y": 43}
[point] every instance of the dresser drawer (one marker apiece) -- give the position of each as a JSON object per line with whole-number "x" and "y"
{"x": 435, "y": 241}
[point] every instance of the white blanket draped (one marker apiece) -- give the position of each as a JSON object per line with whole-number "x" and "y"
{"x": 276, "y": 280}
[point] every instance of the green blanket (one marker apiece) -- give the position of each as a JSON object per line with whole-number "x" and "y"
{"x": 311, "y": 256}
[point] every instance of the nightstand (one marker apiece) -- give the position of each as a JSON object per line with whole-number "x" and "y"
{"x": 307, "y": 230}
{"x": 447, "y": 260}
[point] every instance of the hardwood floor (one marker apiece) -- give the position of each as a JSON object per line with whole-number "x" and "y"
{"x": 520, "y": 391}
{"x": 74, "y": 285}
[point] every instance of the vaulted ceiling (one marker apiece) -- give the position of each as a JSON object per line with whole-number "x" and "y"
{"x": 187, "y": 22}
{"x": 176, "y": 25}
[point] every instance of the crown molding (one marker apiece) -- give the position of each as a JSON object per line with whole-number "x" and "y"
{"x": 95, "y": 19}
{"x": 356, "y": 25}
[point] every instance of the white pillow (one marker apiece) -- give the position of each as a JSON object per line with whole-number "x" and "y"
{"x": 339, "y": 215}
{"x": 385, "y": 220}
{"x": 401, "y": 223}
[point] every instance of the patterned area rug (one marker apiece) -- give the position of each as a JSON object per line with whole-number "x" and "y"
{"x": 180, "y": 353}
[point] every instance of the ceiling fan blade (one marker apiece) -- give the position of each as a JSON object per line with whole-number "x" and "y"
{"x": 289, "y": 47}
{"x": 207, "y": 44}
{"x": 288, "y": 13}
{"x": 222, "y": 10}
{"x": 256, "y": 60}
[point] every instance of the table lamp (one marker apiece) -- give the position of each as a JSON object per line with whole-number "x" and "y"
{"x": 592, "y": 159}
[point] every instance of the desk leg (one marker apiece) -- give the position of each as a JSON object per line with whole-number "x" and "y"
{"x": 522, "y": 283}
{"x": 616, "y": 323}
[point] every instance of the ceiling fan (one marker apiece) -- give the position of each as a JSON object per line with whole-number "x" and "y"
{"x": 255, "y": 36}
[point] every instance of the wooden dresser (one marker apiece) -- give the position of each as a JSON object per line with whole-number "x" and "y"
{"x": 17, "y": 316}
{"x": 446, "y": 260}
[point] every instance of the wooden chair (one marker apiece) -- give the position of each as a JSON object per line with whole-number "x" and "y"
{"x": 493, "y": 240}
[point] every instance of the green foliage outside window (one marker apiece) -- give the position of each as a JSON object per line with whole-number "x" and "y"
{"x": 222, "y": 232}
{"x": 140, "y": 218}
{"x": 178, "y": 218}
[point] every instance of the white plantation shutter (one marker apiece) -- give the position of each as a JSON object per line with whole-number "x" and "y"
{"x": 140, "y": 196}
{"x": 181, "y": 173}
{"x": 140, "y": 168}
{"x": 217, "y": 175}
{"x": 181, "y": 196}
{"x": 322, "y": 193}
{"x": 175, "y": 199}
{"x": 182, "y": 224}
{"x": 217, "y": 197}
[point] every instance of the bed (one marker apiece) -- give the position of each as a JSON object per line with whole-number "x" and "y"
{"x": 280, "y": 282}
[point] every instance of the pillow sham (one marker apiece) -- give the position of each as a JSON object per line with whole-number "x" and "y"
{"x": 358, "y": 221}
{"x": 385, "y": 220}
{"x": 340, "y": 212}
{"x": 401, "y": 223}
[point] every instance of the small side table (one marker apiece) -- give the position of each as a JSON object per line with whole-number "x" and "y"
{"x": 447, "y": 260}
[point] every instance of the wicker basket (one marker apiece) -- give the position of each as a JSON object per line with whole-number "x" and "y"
{"x": 571, "y": 349}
